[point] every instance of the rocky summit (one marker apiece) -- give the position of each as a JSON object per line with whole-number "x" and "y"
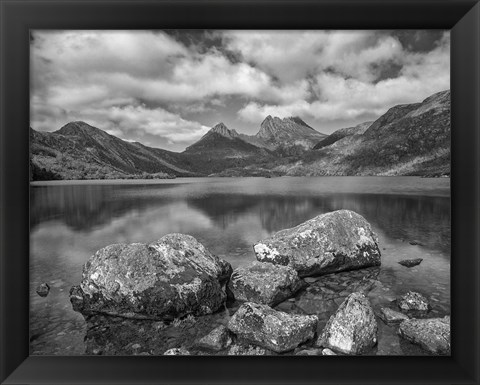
{"x": 169, "y": 278}
{"x": 293, "y": 131}
{"x": 331, "y": 242}
{"x": 264, "y": 283}
{"x": 431, "y": 334}
{"x": 271, "y": 329}
{"x": 352, "y": 329}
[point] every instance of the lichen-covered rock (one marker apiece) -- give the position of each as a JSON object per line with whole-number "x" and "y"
{"x": 413, "y": 301}
{"x": 166, "y": 279}
{"x": 431, "y": 334}
{"x": 411, "y": 262}
{"x": 274, "y": 330}
{"x": 43, "y": 289}
{"x": 264, "y": 283}
{"x": 218, "y": 339}
{"x": 352, "y": 329}
{"x": 331, "y": 242}
{"x": 391, "y": 316}
{"x": 177, "y": 352}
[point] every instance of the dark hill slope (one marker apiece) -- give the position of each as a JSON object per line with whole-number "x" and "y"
{"x": 81, "y": 151}
{"x": 411, "y": 139}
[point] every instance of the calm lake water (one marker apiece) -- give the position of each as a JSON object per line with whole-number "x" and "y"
{"x": 72, "y": 220}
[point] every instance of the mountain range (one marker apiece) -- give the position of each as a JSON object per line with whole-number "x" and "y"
{"x": 409, "y": 139}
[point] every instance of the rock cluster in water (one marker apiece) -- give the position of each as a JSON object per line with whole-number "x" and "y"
{"x": 174, "y": 297}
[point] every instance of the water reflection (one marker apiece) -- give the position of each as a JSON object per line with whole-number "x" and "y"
{"x": 70, "y": 222}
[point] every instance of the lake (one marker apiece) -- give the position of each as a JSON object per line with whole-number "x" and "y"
{"x": 70, "y": 220}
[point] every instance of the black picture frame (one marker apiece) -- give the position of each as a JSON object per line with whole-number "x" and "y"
{"x": 17, "y": 17}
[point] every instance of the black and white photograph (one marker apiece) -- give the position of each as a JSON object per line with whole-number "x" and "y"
{"x": 240, "y": 192}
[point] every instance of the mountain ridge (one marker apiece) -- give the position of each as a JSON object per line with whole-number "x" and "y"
{"x": 409, "y": 139}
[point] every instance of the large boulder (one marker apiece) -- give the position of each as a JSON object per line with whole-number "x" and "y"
{"x": 166, "y": 279}
{"x": 332, "y": 242}
{"x": 352, "y": 329}
{"x": 264, "y": 283}
{"x": 272, "y": 329}
{"x": 431, "y": 334}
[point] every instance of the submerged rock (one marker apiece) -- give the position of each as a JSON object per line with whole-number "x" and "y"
{"x": 169, "y": 278}
{"x": 431, "y": 334}
{"x": 43, "y": 289}
{"x": 332, "y": 242}
{"x": 264, "y": 283}
{"x": 411, "y": 262}
{"x": 413, "y": 301}
{"x": 415, "y": 243}
{"x": 272, "y": 329}
{"x": 218, "y": 339}
{"x": 352, "y": 329}
{"x": 177, "y": 352}
{"x": 391, "y": 316}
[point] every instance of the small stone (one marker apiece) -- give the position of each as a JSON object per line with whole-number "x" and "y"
{"x": 388, "y": 315}
{"x": 217, "y": 339}
{"x": 411, "y": 262}
{"x": 43, "y": 289}
{"x": 415, "y": 243}
{"x": 413, "y": 301}
{"x": 328, "y": 352}
{"x": 249, "y": 350}
{"x": 177, "y": 352}
{"x": 136, "y": 346}
{"x": 309, "y": 352}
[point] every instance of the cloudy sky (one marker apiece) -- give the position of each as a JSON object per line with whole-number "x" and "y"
{"x": 167, "y": 88}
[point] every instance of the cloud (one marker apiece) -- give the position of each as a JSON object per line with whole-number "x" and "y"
{"x": 340, "y": 97}
{"x": 295, "y": 55}
{"x": 129, "y": 122}
{"x": 142, "y": 85}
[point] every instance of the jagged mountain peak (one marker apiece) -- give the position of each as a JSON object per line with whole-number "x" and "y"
{"x": 293, "y": 128}
{"x": 299, "y": 120}
{"x": 223, "y": 130}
